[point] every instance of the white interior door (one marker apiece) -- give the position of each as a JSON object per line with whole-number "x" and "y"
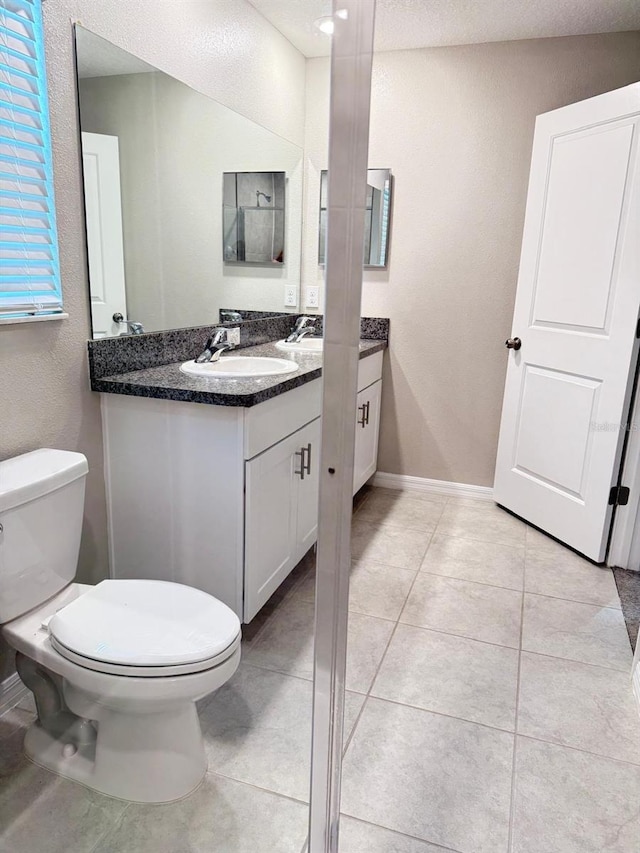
{"x": 103, "y": 208}
{"x": 576, "y": 313}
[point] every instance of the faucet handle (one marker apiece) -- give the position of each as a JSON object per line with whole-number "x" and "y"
{"x": 304, "y": 321}
{"x": 219, "y": 336}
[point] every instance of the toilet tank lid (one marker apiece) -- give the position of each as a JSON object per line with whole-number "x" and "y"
{"x": 35, "y": 474}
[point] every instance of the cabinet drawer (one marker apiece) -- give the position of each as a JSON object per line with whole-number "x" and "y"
{"x": 273, "y": 420}
{"x": 369, "y": 370}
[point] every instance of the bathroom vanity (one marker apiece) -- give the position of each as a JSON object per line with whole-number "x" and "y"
{"x": 223, "y": 497}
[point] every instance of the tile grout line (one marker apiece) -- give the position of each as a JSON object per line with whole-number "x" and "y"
{"x": 511, "y": 588}
{"x": 572, "y": 600}
{"x": 512, "y": 804}
{"x": 441, "y": 714}
{"x": 581, "y": 750}
{"x": 626, "y": 671}
{"x": 384, "y": 654}
{"x": 401, "y": 704}
{"x": 258, "y": 788}
{"x": 461, "y": 636}
{"x": 373, "y": 680}
{"x": 438, "y": 847}
{"x": 581, "y": 662}
{"x": 116, "y": 824}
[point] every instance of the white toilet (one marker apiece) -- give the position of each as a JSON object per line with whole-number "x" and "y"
{"x": 116, "y": 669}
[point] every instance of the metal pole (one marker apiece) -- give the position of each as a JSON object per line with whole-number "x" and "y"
{"x": 351, "y": 60}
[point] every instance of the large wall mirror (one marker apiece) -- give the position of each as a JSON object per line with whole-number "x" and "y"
{"x": 377, "y": 218}
{"x": 157, "y": 158}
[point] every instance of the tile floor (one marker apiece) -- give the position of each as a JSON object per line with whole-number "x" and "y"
{"x": 488, "y": 710}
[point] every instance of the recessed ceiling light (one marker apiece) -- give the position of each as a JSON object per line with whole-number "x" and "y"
{"x": 325, "y": 25}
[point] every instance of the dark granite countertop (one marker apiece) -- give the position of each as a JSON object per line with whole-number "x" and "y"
{"x": 168, "y": 382}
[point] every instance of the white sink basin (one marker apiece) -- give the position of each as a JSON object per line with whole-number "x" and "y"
{"x": 305, "y": 345}
{"x": 240, "y": 367}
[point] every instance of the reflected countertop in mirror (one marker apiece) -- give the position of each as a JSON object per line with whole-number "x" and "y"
{"x": 155, "y": 152}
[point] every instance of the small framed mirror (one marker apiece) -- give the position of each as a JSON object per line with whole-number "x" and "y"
{"x": 253, "y": 217}
{"x": 377, "y": 218}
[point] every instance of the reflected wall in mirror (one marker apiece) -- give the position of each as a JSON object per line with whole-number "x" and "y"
{"x": 253, "y": 217}
{"x": 377, "y": 218}
{"x": 154, "y": 155}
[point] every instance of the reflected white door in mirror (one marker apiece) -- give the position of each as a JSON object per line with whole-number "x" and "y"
{"x": 223, "y": 498}
{"x": 103, "y": 218}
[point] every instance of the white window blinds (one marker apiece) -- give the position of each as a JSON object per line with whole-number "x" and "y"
{"x": 29, "y": 266}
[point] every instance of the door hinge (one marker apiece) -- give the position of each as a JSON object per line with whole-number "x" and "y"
{"x": 619, "y": 496}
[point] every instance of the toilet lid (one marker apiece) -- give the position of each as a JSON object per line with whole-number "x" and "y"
{"x": 145, "y": 623}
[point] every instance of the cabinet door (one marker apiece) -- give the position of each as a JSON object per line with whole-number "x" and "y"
{"x": 307, "y": 523}
{"x": 270, "y": 522}
{"x": 281, "y": 513}
{"x": 367, "y": 431}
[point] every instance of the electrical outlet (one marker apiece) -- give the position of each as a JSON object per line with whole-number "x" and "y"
{"x": 290, "y": 296}
{"x": 312, "y": 297}
{"x": 233, "y": 336}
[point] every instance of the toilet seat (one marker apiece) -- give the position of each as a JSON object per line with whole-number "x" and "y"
{"x": 145, "y": 628}
{"x": 144, "y": 671}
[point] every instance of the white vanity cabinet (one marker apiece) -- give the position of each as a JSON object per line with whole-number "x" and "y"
{"x": 223, "y": 498}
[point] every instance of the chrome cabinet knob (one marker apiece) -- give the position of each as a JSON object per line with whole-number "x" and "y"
{"x": 513, "y": 343}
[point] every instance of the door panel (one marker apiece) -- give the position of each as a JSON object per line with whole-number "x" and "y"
{"x": 567, "y": 388}
{"x": 270, "y": 523}
{"x": 281, "y": 513}
{"x": 307, "y": 521}
{"x": 366, "y": 447}
{"x": 586, "y": 188}
{"x": 559, "y": 406}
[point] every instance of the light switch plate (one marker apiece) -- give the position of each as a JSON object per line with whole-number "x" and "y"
{"x": 312, "y": 295}
{"x": 290, "y": 296}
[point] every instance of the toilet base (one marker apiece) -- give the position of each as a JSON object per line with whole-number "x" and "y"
{"x": 145, "y": 758}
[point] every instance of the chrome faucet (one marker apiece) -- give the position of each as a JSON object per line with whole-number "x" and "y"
{"x": 304, "y": 326}
{"x": 215, "y": 346}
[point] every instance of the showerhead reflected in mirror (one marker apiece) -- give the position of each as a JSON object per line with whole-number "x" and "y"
{"x": 253, "y": 217}
{"x": 377, "y": 218}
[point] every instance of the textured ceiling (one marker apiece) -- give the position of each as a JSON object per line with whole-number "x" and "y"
{"x": 404, "y": 24}
{"x": 97, "y": 57}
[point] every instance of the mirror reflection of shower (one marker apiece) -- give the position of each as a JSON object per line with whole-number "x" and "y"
{"x": 253, "y": 217}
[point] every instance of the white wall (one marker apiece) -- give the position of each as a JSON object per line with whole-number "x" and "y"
{"x": 456, "y": 126}
{"x": 223, "y": 48}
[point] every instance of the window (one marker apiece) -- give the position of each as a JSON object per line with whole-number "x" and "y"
{"x": 29, "y": 265}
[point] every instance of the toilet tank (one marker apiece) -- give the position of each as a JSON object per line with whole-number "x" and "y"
{"x": 41, "y": 509}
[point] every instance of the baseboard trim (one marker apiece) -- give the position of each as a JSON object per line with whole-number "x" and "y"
{"x": 11, "y": 692}
{"x": 434, "y": 487}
